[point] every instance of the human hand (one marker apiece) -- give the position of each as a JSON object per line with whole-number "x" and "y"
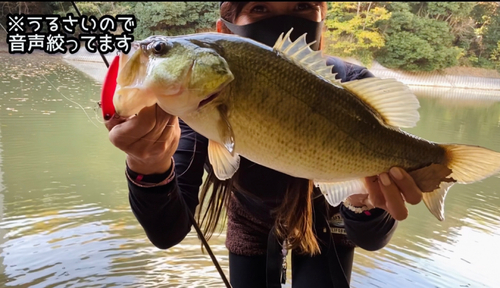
{"x": 389, "y": 191}
{"x": 149, "y": 139}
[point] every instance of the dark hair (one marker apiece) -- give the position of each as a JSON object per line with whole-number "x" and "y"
{"x": 294, "y": 217}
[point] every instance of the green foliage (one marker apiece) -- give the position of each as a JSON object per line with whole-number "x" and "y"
{"x": 11, "y": 7}
{"x": 174, "y": 18}
{"x": 495, "y": 57}
{"x": 415, "y": 36}
{"x": 483, "y": 35}
{"x": 417, "y": 43}
{"x": 352, "y": 31}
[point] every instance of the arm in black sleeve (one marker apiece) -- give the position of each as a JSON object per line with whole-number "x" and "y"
{"x": 370, "y": 232}
{"x": 161, "y": 210}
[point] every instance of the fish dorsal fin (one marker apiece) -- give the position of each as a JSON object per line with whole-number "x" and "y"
{"x": 396, "y": 105}
{"x": 301, "y": 54}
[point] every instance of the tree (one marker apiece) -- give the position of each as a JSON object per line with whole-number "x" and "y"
{"x": 352, "y": 30}
{"x": 174, "y": 18}
{"x": 417, "y": 43}
{"x": 495, "y": 57}
{"x": 23, "y": 8}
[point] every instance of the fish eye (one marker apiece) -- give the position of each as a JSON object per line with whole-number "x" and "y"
{"x": 160, "y": 47}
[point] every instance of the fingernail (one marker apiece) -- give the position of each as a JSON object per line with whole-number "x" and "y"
{"x": 396, "y": 173}
{"x": 369, "y": 203}
{"x": 384, "y": 178}
{"x": 107, "y": 117}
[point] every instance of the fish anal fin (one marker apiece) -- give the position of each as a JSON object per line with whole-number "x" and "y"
{"x": 224, "y": 164}
{"x": 434, "y": 183}
{"x": 435, "y": 200}
{"x": 336, "y": 192}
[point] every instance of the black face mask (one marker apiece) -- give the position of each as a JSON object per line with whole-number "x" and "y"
{"x": 267, "y": 31}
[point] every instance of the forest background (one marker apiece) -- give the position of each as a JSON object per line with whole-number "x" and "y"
{"x": 408, "y": 36}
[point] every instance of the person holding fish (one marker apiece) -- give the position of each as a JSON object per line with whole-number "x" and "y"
{"x": 267, "y": 210}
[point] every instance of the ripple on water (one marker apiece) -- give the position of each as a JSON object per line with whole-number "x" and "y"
{"x": 80, "y": 251}
{"x": 71, "y": 225}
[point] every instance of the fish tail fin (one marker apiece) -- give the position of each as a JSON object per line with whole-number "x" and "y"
{"x": 471, "y": 163}
{"x": 468, "y": 164}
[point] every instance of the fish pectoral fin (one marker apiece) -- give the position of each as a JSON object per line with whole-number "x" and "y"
{"x": 337, "y": 192}
{"x": 224, "y": 163}
{"x": 435, "y": 200}
{"x": 225, "y": 130}
{"x": 395, "y": 103}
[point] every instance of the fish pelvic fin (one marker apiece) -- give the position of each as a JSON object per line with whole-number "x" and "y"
{"x": 337, "y": 192}
{"x": 224, "y": 164}
{"x": 393, "y": 101}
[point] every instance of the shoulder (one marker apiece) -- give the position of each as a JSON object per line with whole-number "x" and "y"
{"x": 347, "y": 71}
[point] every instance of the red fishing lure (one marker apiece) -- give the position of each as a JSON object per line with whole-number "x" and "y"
{"x": 108, "y": 89}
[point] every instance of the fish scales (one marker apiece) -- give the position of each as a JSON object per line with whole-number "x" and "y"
{"x": 280, "y": 107}
{"x": 319, "y": 127}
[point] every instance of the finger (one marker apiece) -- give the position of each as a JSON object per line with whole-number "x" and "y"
{"x": 138, "y": 125}
{"x": 393, "y": 199}
{"x": 375, "y": 194}
{"x": 162, "y": 129}
{"x": 113, "y": 121}
{"x": 158, "y": 139}
{"x": 360, "y": 200}
{"x": 171, "y": 130}
{"x": 412, "y": 194}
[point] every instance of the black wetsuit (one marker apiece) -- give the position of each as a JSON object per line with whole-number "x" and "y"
{"x": 254, "y": 258}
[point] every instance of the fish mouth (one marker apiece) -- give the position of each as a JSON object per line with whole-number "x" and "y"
{"x": 208, "y": 99}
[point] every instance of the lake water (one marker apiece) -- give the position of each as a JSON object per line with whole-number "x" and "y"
{"x": 65, "y": 219}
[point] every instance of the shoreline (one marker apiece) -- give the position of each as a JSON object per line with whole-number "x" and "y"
{"x": 469, "y": 78}
{"x": 93, "y": 65}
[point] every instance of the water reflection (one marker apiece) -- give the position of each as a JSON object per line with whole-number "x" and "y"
{"x": 66, "y": 219}
{"x": 458, "y": 251}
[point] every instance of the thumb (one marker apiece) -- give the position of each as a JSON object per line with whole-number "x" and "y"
{"x": 113, "y": 121}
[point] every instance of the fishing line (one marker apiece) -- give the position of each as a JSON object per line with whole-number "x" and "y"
{"x": 191, "y": 217}
{"x": 4, "y": 29}
{"x": 80, "y": 15}
{"x": 57, "y": 89}
{"x": 192, "y": 157}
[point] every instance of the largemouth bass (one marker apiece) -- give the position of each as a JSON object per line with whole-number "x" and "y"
{"x": 282, "y": 107}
